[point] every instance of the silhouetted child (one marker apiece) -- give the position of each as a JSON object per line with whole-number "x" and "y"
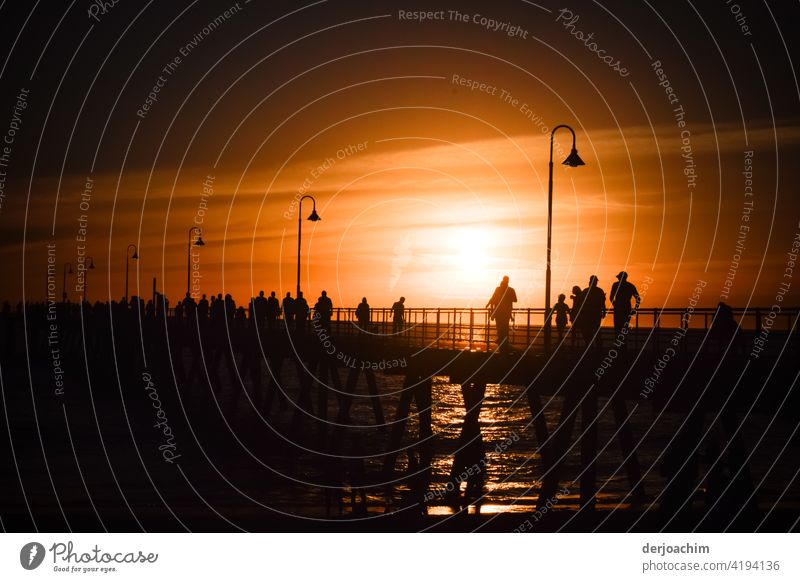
{"x": 574, "y": 313}
{"x": 562, "y": 311}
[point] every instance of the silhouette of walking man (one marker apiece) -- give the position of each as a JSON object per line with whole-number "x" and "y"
{"x": 300, "y": 312}
{"x": 398, "y": 314}
{"x": 323, "y": 309}
{"x": 501, "y": 305}
{"x": 288, "y": 309}
{"x": 593, "y": 310}
{"x": 273, "y": 310}
{"x": 621, "y": 294}
{"x": 362, "y": 314}
{"x": 259, "y": 310}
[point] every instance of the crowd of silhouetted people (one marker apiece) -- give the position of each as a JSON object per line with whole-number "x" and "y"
{"x": 589, "y": 308}
{"x": 580, "y": 319}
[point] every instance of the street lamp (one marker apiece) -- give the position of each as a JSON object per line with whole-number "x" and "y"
{"x": 313, "y": 217}
{"x": 135, "y": 257}
{"x": 198, "y": 243}
{"x": 573, "y": 160}
{"x": 86, "y": 279}
{"x": 64, "y": 282}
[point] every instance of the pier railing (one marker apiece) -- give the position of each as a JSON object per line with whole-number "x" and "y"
{"x": 464, "y": 328}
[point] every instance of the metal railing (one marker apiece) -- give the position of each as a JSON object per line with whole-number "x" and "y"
{"x": 460, "y": 328}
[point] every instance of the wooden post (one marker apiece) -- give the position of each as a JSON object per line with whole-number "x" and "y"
{"x": 471, "y": 324}
{"x": 589, "y": 449}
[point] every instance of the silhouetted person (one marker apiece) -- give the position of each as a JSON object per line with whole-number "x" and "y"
{"x": 300, "y": 312}
{"x": 561, "y": 310}
{"x": 273, "y": 310}
{"x": 575, "y": 311}
{"x": 217, "y": 310}
{"x": 202, "y": 309}
{"x": 288, "y": 310}
{"x": 502, "y": 305}
{"x": 259, "y": 310}
{"x": 362, "y": 314}
{"x": 724, "y": 327}
{"x": 621, "y": 294}
{"x": 593, "y": 310}
{"x": 240, "y": 316}
{"x": 190, "y": 311}
{"x": 323, "y": 309}
{"x": 230, "y": 307}
{"x": 399, "y": 314}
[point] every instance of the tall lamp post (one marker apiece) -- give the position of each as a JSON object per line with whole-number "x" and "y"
{"x": 64, "y": 282}
{"x": 198, "y": 243}
{"x": 313, "y": 217}
{"x": 135, "y": 257}
{"x": 86, "y": 279}
{"x": 573, "y": 160}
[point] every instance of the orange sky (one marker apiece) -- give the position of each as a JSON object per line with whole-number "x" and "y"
{"x": 438, "y": 222}
{"x": 447, "y": 191}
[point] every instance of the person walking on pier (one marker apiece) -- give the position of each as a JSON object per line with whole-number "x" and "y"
{"x": 362, "y": 315}
{"x": 593, "y": 310}
{"x": 273, "y": 309}
{"x": 561, "y": 309}
{"x": 300, "y": 313}
{"x": 202, "y": 310}
{"x": 323, "y": 309}
{"x": 288, "y": 310}
{"x": 621, "y": 294}
{"x": 259, "y": 310}
{"x": 398, "y": 314}
{"x": 502, "y": 305}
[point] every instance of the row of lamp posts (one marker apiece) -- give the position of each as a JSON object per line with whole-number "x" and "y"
{"x": 573, "y": 160}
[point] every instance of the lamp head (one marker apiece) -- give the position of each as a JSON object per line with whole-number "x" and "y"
{"x": 91, "y": 263}
{"x": 135, "y": 255}
{"x": 573, "y": 159}
{"x": 199, "y": 242}
{"x": 70, "y": 270}
{"x": 314, "y": 217}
